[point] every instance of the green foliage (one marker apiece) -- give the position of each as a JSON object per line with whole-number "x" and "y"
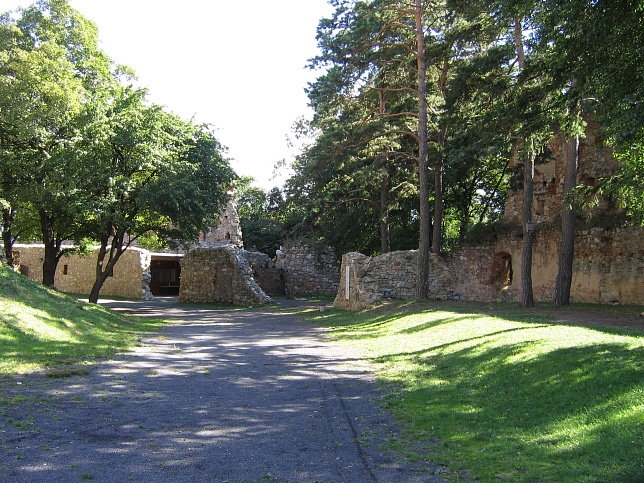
{"x": 41, "y": 328}
{"x": 626, "y": 185}
{"x": 504, "y": 393}
{"x": 578, "y": 59}
{"x": 264, "y": 217}
{"x": 51, "y": 70}
{"x": 358, "y": 179}
{"x": 355, "y": 175}
{"x": 86, "y": 154}
{"x": 147, "y": 173}
{"x": 590, "y": 53}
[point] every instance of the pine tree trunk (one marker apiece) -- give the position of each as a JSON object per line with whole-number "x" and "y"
{"x": 567, "y": 249}
{"x": 424, "y": 244}
{"x": 438, "y": 197}
{"x": 7, "y": 237}
{"x": 438, "y": 209}
{"x": 527, "y": 299}
{"x": 385, "y": 243}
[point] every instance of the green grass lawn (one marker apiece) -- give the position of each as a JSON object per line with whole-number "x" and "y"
{"x": 509, "y": 396}
{"x": 42, "y": 328}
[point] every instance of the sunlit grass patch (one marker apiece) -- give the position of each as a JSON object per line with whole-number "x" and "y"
{"x": 511, "y": 397}
{"x": 40, "y": 327}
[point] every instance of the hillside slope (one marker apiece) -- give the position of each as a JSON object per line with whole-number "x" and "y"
{"x": 40, "y": 327}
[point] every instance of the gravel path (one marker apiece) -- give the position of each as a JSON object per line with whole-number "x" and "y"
{"x": 217, "y": 396}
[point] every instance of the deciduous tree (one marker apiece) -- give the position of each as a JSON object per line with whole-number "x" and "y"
{"x": 50, "y": 64}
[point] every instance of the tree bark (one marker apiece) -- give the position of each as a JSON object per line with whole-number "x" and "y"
{"x": 385, "y": 243}
{"x": 518, "y": 41}
{"x": 103, "y": 269}
{"x": 527, "y": 299}
{"x": 567, "y": 248}
{"x": 52, "y": 251}
{"x": 423, "y": 168}
{"x": 438, "y": 166}
{"x": 437, "y": 235}
{"x": 7, "y": 237}
{"x": 49, "y": 264}
{"x": 99, "y": 281}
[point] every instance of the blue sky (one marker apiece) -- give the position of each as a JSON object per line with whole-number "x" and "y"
{"x": 239, "y": 66}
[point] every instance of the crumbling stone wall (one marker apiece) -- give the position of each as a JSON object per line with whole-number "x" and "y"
{"x": 309, "y": 269}
{"x": 227, "y": 232}
{"x": 608, "y": 268}
{"x": 365, "y": 281}
{"x": 220, "y": 275}
{"x": 595, "y": 161}
{"x": 608, "y": 263}
{"x": 76, "y": 273}
{"x": 265, "y": 272}
{"x": 392, "y": 275}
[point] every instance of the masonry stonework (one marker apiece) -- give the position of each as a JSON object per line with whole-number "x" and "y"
{"x": 227, "y": 232}
{"x": 76, "y": 273}
{"x": 219, "y": 275}
{"x": 264, "y": 272}
{"x": 595, "y": 162}
{"x": 608, "y": 265}
{"x": 608, "y": 269}
{"x": 309, "y": 269}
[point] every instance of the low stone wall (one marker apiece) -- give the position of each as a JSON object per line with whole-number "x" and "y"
{"x": 76, "y": 273}
{"x": 309, "y": 269}
{"x": 220, "y": 275}
{"x": 393, "y": 275}
{"x": 608, "y": 268}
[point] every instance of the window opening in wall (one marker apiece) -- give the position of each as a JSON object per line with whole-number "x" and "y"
{"x": 65, "y": 269}
{"x": 501, "y": 270}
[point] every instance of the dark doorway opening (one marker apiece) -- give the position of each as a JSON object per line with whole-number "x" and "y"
{"x": 165, "y": 276}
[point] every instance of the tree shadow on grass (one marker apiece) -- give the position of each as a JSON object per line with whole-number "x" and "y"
{"x": 51, "y": 336}
{"x": 570, "y": 415}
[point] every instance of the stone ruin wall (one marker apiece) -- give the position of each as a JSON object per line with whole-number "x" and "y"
{"x": 608, "y": 265}
{"x": 265, "y": 272}
{"x": 131, "y": 273}
{"x": 608, "y": 269}
{"x": 219, "y": 275}
{"x": 227, "y": 232}
{"x": 594, "y": 162}
{"x": 308, "y": 269}
{"x": 226, "y": 275}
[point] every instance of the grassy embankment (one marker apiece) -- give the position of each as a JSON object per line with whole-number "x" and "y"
{"x": 44, "y": 329}
{"x": 508, "y": 394}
